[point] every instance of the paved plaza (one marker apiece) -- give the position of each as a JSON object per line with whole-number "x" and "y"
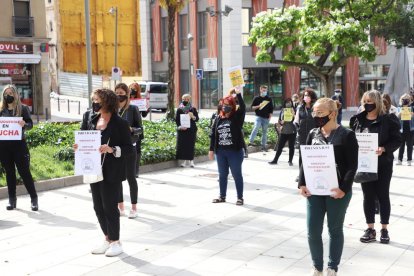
{"x": 180, "y": 232}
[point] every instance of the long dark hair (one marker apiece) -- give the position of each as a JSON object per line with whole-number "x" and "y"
{"x": 109, "y": 100}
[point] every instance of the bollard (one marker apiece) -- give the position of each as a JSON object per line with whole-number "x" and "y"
{"x": 78, "y": 107}
{"x": 68, "y": 106}
{"x": 46, "y": 114}
{"x": 150, "y": 114}
{"x": 37, "y": 115}
{"x": 58, "y": 99}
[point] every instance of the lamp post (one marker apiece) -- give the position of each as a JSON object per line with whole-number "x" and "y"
{"x": 190, "y": 38}
{"x": 88, "y": 51}
{"x": 212, "y": 12}
{"x": 114, "y": 10}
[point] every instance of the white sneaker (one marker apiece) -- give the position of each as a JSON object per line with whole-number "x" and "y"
{"x": 316, "y": 272}
{"x": 102, "y": 249}
{"x": 409, "y": 163}
{"x": 114, "y": 249}
{"x": 330, "y": 272}
{"x": 132, "y": 214}
{"x": 184, "y": 164}
{"x": 191, "y": 163}
{"x": 399, "y": 163}
{"x": 121, "y": 213}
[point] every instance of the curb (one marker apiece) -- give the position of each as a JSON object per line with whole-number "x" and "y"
{"x": 67, "y": 181}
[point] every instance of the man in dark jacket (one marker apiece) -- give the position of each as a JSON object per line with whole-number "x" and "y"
{"x": 263, "y": 106}
{"x": 338, "y": 97}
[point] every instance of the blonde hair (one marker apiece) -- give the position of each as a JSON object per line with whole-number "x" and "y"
{"x": 17, "y": 105}
{"x": 232, "y": 91}
{"x": 186, "y": 96}
{"x": 376, "y": 97}
{"x": 330, "y": 104}
{"x": 405, "y": 97}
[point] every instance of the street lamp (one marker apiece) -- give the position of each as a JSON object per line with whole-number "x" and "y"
{"x": 190, "y": 38}
{"x": 212, "y": 12}
{"x": 114, "y": 10}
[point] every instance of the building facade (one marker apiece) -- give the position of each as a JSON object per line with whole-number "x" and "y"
{"x": 24, "y": 52}
{"x": 205, "y": 38}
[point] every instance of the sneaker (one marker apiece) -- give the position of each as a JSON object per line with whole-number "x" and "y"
{"x": 369, "y": 236}
{"x": 384, "y": 236}
{"x": 191, "y": 163}
{"x": 114, "y": 249}
{"x": 399, "y": 163}
{"x": 121, "y": 213}
{"x": 273, "y": 162}
{"x": 316, "y": 272}
{"x": 184, "y": 164}
{"x": 330, "y": 272}
{"x": 409, "y": 163}
{"x": 101, "y": 249}
{"x": 290, "y": 164}
{"x": 132, "y": 214}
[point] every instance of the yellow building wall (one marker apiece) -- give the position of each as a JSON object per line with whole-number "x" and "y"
{"x": 73, "y": 39}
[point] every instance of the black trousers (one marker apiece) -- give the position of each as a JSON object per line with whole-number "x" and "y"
{"x": 16, "y": 154}
{"x": 138, "y": 159}
{"x": 407, "y": 139}
{"x": 283, "y": 138}
{"x": 378, "y": 189}
{"x": 131, "y": 161}
{"x": 105, "y": 203}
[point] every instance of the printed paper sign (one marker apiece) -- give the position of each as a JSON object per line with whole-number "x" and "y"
{"x": 10, "y": 128}
{"x": 287, "y": 115}
{"x": 87, "y": 156}
{"x": 236, "y": 76}
{"x": 320, "y": 168}
{"x": 367, "y": 158}
{"x": 185, "y": 120}
{"x": 142, "y": 104}
{"x": 263, "y": 104}
{"x": 405, "y": 113}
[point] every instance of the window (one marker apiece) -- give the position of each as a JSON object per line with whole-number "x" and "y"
{"x": 202, "y": 30}
{"x": 164, "y": 33}
{"x": 49, "y": 1}
{"x": 183, "y": 31}
{"x": 21, "y": 8}
{"x": 246, "y": 22}
{"x": 152, "y": 36}
{"x": 23, "y": 23}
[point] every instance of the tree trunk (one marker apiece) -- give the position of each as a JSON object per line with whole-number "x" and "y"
{"x": 171, "y": 72}
{"x": 328, "y": 85}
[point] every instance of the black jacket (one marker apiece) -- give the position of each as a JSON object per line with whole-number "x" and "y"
{"x": 265, "y": 111}
{"x": 236, "y": 127}
{"x": 346, "y": 155}
{"x": 120, "y": 136}
{"x": 133, "y": 117}
{"x": 25, "y": 115}
{"x": 388, "y": 128}
{"x": 306, "y": 123}
{"x": 192, "y": 122}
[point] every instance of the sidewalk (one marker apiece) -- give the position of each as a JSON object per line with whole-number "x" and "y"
{"x": 179, "y": 232}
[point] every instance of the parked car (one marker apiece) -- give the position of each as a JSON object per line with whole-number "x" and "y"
{"x": 156, "y": 93}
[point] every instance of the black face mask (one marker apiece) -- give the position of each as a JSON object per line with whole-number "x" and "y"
{"x": 227, "y": 109}
{"x": 185, "y": 103}
{"x": 9, "y": 99}
{"x": 405, "y": 102}
{"x": 96, "y": 107}
{"x": 122, "y": 98}
{"x": 133, "y": 93}
{"x": 369, "y": 107}
{"x": 321, "y": 121}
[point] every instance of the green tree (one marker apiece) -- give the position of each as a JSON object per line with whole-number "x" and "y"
{"x": 400, "y": 28}
{"x": 320, "y": 35}
{"x": 172, "y": 7}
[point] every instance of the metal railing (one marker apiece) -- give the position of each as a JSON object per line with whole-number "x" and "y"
{"x": 23, "y": 26}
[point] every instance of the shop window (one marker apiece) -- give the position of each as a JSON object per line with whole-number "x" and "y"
{"x": 246, "y": 23}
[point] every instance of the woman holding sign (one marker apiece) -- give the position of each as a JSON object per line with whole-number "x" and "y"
{"x": 131, "y": 114}
{"x": 186, "y": 118}
{"x": 405, "y": 113}
{"x": 345, "y": 149}
{"x": 288, "y": 131}
{"x": 14, "y": 153}
{"x": 115, "y": 147}
{"x": 374, "y": 119}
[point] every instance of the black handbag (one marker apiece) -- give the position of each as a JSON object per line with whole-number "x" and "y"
{"x": 363, "y": 177}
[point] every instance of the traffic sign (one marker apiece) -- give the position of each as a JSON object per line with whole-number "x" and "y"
{"x": 116, "y": 74}
{"x": 199, "y": 74}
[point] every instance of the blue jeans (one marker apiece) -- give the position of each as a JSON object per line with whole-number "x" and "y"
{"x": 232, "y": 159}
{"x": 335, "y": 210}
{"x": 263, "y": 123}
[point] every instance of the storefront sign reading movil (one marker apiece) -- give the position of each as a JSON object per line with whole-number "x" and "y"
{"x": 15, "y": 48}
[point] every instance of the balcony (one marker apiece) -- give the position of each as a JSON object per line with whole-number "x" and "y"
{"x": 23, "y": 26}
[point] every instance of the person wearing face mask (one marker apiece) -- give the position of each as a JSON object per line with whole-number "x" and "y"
{"x": 116, "y": 146}
{"x": 15, "y": 154}
{"x": 407, "y": 129}
{"x": 131, "y": 114}
{"x": 338, "y": 97}
{"x": 263, "y": 107}
{"x": 233, "y": 93}
{"x": 374, "y": 119}
{"x": 345, "y": 145}
{"x": 296, "y": 101}
{"x": 186, "y": 137}
{"x": 226, "y": 141}
{"x": 287, "y": 133}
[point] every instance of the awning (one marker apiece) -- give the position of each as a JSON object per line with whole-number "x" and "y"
{"x": 22, "y": 58}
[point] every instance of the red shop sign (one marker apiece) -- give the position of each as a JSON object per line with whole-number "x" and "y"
{"x": 15, "y": 48}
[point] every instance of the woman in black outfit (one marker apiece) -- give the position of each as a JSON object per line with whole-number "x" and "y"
{"x": 15, "y": 153}
{"x": 373, "y": 119}
{"x": 287, "y": 133}
{"x": 115, "y": 147}
{"x": 131, "y": 114}
{"x": 186, "y": 137}
{"x": 226, "y": 142}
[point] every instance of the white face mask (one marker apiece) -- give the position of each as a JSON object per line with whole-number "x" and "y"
{"x": 234, "y": 95}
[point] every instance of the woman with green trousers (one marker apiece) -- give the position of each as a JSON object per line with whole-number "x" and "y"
{"x": 345, "y": 146}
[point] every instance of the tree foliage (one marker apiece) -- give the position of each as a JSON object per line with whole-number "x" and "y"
{"x": 320, "y": 35}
